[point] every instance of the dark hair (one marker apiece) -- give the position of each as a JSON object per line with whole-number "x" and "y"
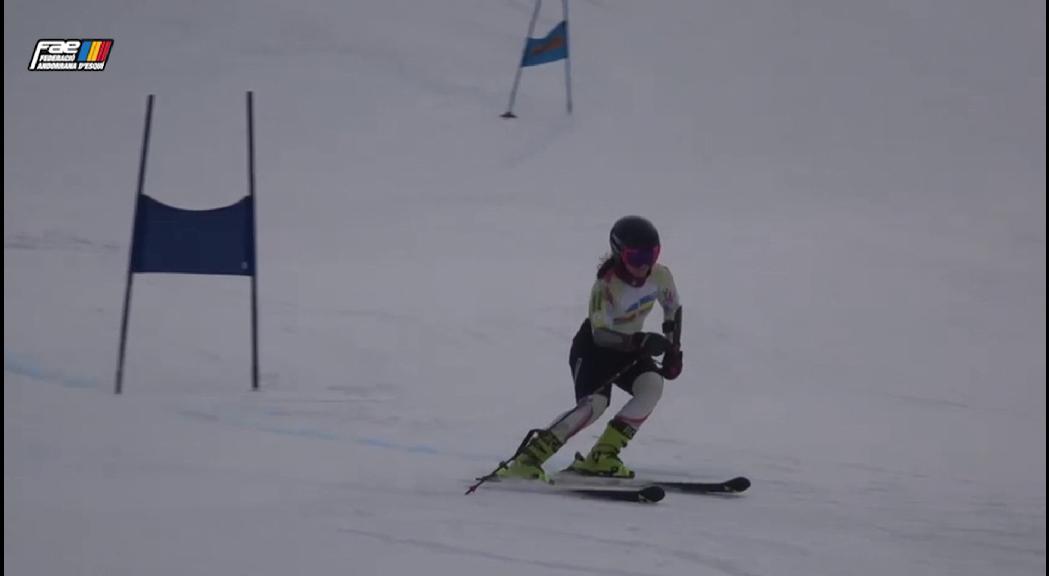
{"x": 607, "y": 263}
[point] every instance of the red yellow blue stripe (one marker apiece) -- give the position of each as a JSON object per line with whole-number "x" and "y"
{"x": 94, "y": 50}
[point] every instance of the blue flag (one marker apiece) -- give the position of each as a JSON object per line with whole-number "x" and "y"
{"x": 219, "y": 241}
{"x": 549, "y": 49}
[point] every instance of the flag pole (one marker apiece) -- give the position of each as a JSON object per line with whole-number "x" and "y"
{"x": 131, "y": 252}
{"x": 517, "y": 76}
{"x": 253, "y": 245}
{"x": 568, "y": 60}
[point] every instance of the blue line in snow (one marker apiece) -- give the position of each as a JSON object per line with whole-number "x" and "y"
{"x": 22, "y": 367}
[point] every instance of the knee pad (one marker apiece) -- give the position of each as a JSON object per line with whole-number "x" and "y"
{"x": 598, "y": 404}
{"x": 647, "y": 389}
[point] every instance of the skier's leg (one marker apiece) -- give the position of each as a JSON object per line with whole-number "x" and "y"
{"x": 529, "y": 462}
{"x": 603, "y": 459}
{"x": 547, "y": 442}
{"x": 586, "y": 411}
{"x": 592, "y": 370}
{"x": 647, "y": 390}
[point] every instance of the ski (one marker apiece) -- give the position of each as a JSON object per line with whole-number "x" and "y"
{"x": 641, "y": 493}
{"x": 735, "y": 485}
{"x": 732, "y": 486}
{"x": 645, "y": 494}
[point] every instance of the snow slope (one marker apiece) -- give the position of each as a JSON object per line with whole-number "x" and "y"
{"x": 851, "y": 196}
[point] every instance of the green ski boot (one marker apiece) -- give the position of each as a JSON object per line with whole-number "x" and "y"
{"x": 529, "y": 463}
{"x": 603, "y": 459}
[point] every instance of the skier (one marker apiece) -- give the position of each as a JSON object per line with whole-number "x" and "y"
{"x": 610, "y": 348}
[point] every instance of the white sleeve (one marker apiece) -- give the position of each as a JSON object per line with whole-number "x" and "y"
{"x": 668, "y": 297}
{"x": 600, "y": 305}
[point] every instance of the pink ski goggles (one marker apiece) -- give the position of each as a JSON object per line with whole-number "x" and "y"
{"x": 638, "y": 257}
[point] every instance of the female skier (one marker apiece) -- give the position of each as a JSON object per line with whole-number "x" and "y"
{"x": 611, "y": 348}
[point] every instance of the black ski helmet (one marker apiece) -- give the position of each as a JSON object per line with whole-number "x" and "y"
{"x": 632, "y": 232}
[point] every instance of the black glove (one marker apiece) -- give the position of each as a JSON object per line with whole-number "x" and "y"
{"x": 672, "y": 364}
{"x": 651, "y": 344}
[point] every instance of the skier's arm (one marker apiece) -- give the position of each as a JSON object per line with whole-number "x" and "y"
{"x": 601, "y": 321}
{"x": 668, "y": 300}
{"x": 672, "y": 328}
